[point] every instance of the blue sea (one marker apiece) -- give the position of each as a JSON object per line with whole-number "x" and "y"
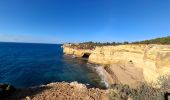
{"x": 27, "y": 65}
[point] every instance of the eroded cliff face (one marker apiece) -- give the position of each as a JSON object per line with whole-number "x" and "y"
{"x": 118, "y": 54}
{"x": 154, "y": 60}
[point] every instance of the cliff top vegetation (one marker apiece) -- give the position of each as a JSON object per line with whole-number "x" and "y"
{"x": 162, "y": 40}
{"x": 92, "y": 45}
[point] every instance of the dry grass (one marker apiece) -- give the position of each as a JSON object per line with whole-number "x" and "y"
{"x": 143, "y": 92}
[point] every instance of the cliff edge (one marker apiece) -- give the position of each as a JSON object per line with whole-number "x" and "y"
{"x": 139, "y": 61}
{"x": 59, "y": 91}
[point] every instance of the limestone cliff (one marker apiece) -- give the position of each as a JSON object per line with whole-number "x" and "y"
{"x": 74, "y": 51}
{"x": 154, "y": 60}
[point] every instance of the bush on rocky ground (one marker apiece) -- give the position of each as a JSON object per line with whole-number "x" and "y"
{"x": 119, "y": 92}
{"x": 143, "y": 92}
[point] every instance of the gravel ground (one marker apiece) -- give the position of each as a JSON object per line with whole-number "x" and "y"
{"x": 59, "y": 91}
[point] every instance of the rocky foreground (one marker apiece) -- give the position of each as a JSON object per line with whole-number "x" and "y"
{"x": 59, "y": 91}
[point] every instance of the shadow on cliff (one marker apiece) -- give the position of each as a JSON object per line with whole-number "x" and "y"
{"x": 21, "y": 94}
{"x": 86, "y": 55}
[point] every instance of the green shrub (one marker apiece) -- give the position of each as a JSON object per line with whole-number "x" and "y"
{"x": 143, "y": 91}
{"x": 119, "y": 92}
{"x": 147, "y": 92}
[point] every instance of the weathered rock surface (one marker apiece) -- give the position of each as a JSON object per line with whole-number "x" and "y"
{"x": 76, "y": 52}
{"x": 154, "y": 60}
{"x": 59, "y": 91}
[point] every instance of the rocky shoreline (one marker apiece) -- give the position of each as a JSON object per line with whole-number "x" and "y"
{"x": 128, "y": 64}
{"x": 125, "y": 64}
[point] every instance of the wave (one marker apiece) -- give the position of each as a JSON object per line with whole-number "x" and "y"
{"x": 101, "y": 72}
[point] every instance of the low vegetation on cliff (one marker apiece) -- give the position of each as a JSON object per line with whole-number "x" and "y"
{"x": 162, "y": 40}
{"x": 143, "y": 92}
{"x": 92, "y": 45}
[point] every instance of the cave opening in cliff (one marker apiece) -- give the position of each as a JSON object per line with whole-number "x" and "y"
{"x": 86, "y": 55}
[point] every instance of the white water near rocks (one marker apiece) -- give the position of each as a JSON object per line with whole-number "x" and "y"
{"x": 101, "y": 72}
{"x": 98, "y": 69}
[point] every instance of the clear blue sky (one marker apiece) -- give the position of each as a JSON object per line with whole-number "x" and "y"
{"x": 60, "y": 21}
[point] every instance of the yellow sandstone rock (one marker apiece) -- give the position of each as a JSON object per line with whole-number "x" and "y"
{"x": 153, "y": 59}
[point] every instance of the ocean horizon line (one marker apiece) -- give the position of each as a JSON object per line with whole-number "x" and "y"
{"x": 29, "y": 42}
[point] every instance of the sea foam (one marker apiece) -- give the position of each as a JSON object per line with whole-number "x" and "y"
{"x": 101, "y": 72}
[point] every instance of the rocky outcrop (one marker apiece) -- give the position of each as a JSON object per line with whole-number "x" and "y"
{"x": 6, "y": 90}
{"x": 154, "y": 60}
{"x": 59, "y": 91}
{"x": 76, "y": 52}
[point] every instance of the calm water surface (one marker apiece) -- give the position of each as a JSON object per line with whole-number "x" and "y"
{"x": 26, "y": 65}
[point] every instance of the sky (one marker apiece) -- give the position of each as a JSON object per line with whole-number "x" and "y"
{"x": 63, "y": 21}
